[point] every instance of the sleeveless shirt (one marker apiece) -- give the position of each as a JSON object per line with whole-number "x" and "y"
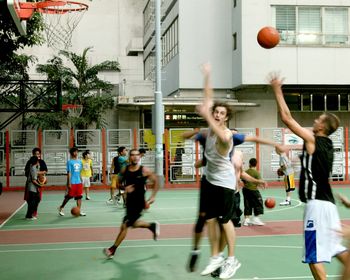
{"x": 219, "y": 168}
{"x": 315, "y": 171}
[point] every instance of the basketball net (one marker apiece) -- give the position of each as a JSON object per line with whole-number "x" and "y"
{"x": 74, "y": 111}
{"x": 60, "y": 20}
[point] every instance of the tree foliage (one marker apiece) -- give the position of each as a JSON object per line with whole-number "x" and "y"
{"x": 10, "y": 39}
{"x": 81, "y": 86}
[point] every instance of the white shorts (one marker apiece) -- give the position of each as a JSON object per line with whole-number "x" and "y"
{"x": 321, "y": 240}
{"x": 86, "y": 182}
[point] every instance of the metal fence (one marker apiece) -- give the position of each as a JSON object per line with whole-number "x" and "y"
{"x": 179, "y": 154}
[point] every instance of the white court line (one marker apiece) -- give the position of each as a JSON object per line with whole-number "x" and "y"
{"x": 104, "y": 241}
{"x": 285, "y": 278}
{"x": 139, "y": 246}
{"x": 14, "y": 213}
{"x": 173, "y": 245}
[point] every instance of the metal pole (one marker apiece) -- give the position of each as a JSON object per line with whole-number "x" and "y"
{"x": 158, "y": 98}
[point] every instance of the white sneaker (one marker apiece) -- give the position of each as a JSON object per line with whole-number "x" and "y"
{"x": 257, "y": 222}
{"x": 285, "y": 203}
{"x": 214, "y": 264}
{"x": 60, "y": 211}
{"x": 82, "y": 214}
{"x": 110, "y": 201}
{"x": 229, "y": 268}
{"x": 247, "y": 222}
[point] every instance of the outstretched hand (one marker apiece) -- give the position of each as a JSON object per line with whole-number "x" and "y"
{"x": 206, "y": 69}
{"x": 262, "y": 184}
{"x": 275, "y": 80}
{"x": 280, "y": 149}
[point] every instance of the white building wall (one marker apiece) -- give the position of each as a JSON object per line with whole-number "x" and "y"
{"x": 300, "y": 65}
{"x": 205, "y": 36}
{"x": 108, "y": 26}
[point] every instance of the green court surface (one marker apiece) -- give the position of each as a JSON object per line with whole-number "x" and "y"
{"x": 263, "y": 256}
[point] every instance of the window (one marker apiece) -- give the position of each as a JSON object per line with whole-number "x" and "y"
{"x": 170, "y": 43}
{"x": 336, "y": 25}
{"x": 306, "y": 105}
{"x": 344, "y": 102}
{"x": 318, "y": 102}
{"x": 312, "y": 25}
{"x": 149, "y": 67}
{"x": 337, "y": 100}
{"x": 286, "y": 23}
{"x": 309, "y": 26}
{"x": 294, "y": 101}
{"x": 332, "y": 102}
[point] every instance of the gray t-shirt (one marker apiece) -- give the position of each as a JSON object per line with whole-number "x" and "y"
{"x": 33, "y": 176}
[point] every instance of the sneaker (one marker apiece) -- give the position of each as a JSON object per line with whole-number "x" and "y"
{"x": 155, "y": 228}
{"x": 192, "y": 263}
{"x": 247, "y": 222}
{"x": 109, "y": 254}
{"x": 60, "y": 211}
{"x": 229, "y": 268}
{"x": 31, "y": 219}
{"x": 88, "y": 198}
{"x": 110, "y": 201}
{"x": 82, "y": 214}
{"x": 257, "y": 222}
{"x": 214, "y": 264}
{"x": 285, "y": 203}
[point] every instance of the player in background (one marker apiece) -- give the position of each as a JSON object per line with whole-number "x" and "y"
{"x": 118, "y": 163}
{"x": 286, "y": 170}
{"x": 87, "y": 172}
{"x": 74, "y": 182}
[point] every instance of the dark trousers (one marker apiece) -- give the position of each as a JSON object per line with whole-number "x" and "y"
{"x": 33, "y": 202}
{"x": 252, "y": 202}
{"x": 237, "y": 213}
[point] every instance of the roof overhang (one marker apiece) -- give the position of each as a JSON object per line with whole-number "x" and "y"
{"x": 180, "y": 101}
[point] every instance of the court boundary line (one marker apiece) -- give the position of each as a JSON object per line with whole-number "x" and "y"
{"x": 14, "y": 213}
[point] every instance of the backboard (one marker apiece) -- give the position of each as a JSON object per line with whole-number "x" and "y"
{"x": 14, "y": 8}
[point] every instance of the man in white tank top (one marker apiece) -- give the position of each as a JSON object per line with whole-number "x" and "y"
{"x": 221, "y": 178}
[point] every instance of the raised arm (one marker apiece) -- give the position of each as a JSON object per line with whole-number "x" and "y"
{"x": 276, "y": 84}
{"x": 208, "y": 90}
{"x": 260, "y": 141}
{"x": 204, "y": 110}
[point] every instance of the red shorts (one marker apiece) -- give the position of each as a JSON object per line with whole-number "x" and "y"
{"x": 76, "y": 190}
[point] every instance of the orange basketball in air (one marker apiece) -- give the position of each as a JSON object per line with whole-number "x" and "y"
{"x": 268, "y": 37}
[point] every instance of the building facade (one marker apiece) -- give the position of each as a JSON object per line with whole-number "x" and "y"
{"x": 313, "y": 55}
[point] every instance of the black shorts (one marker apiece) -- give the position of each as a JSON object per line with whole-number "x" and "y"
{"x": 253, "y": 202}
{"x": 204, "y": 195}
{"x": 134, "y": 207}
{"x": 222, "y": 203}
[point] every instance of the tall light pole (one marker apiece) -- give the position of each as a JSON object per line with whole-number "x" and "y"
{"x": 158, "y": 108}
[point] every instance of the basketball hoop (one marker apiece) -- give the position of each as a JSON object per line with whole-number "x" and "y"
{"x": 74, "y": 110}
{"x": 60, "y": 17}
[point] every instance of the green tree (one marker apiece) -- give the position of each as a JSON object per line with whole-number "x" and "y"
{"x": 80, "y": 85}
{"x": 11, "y": 41}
